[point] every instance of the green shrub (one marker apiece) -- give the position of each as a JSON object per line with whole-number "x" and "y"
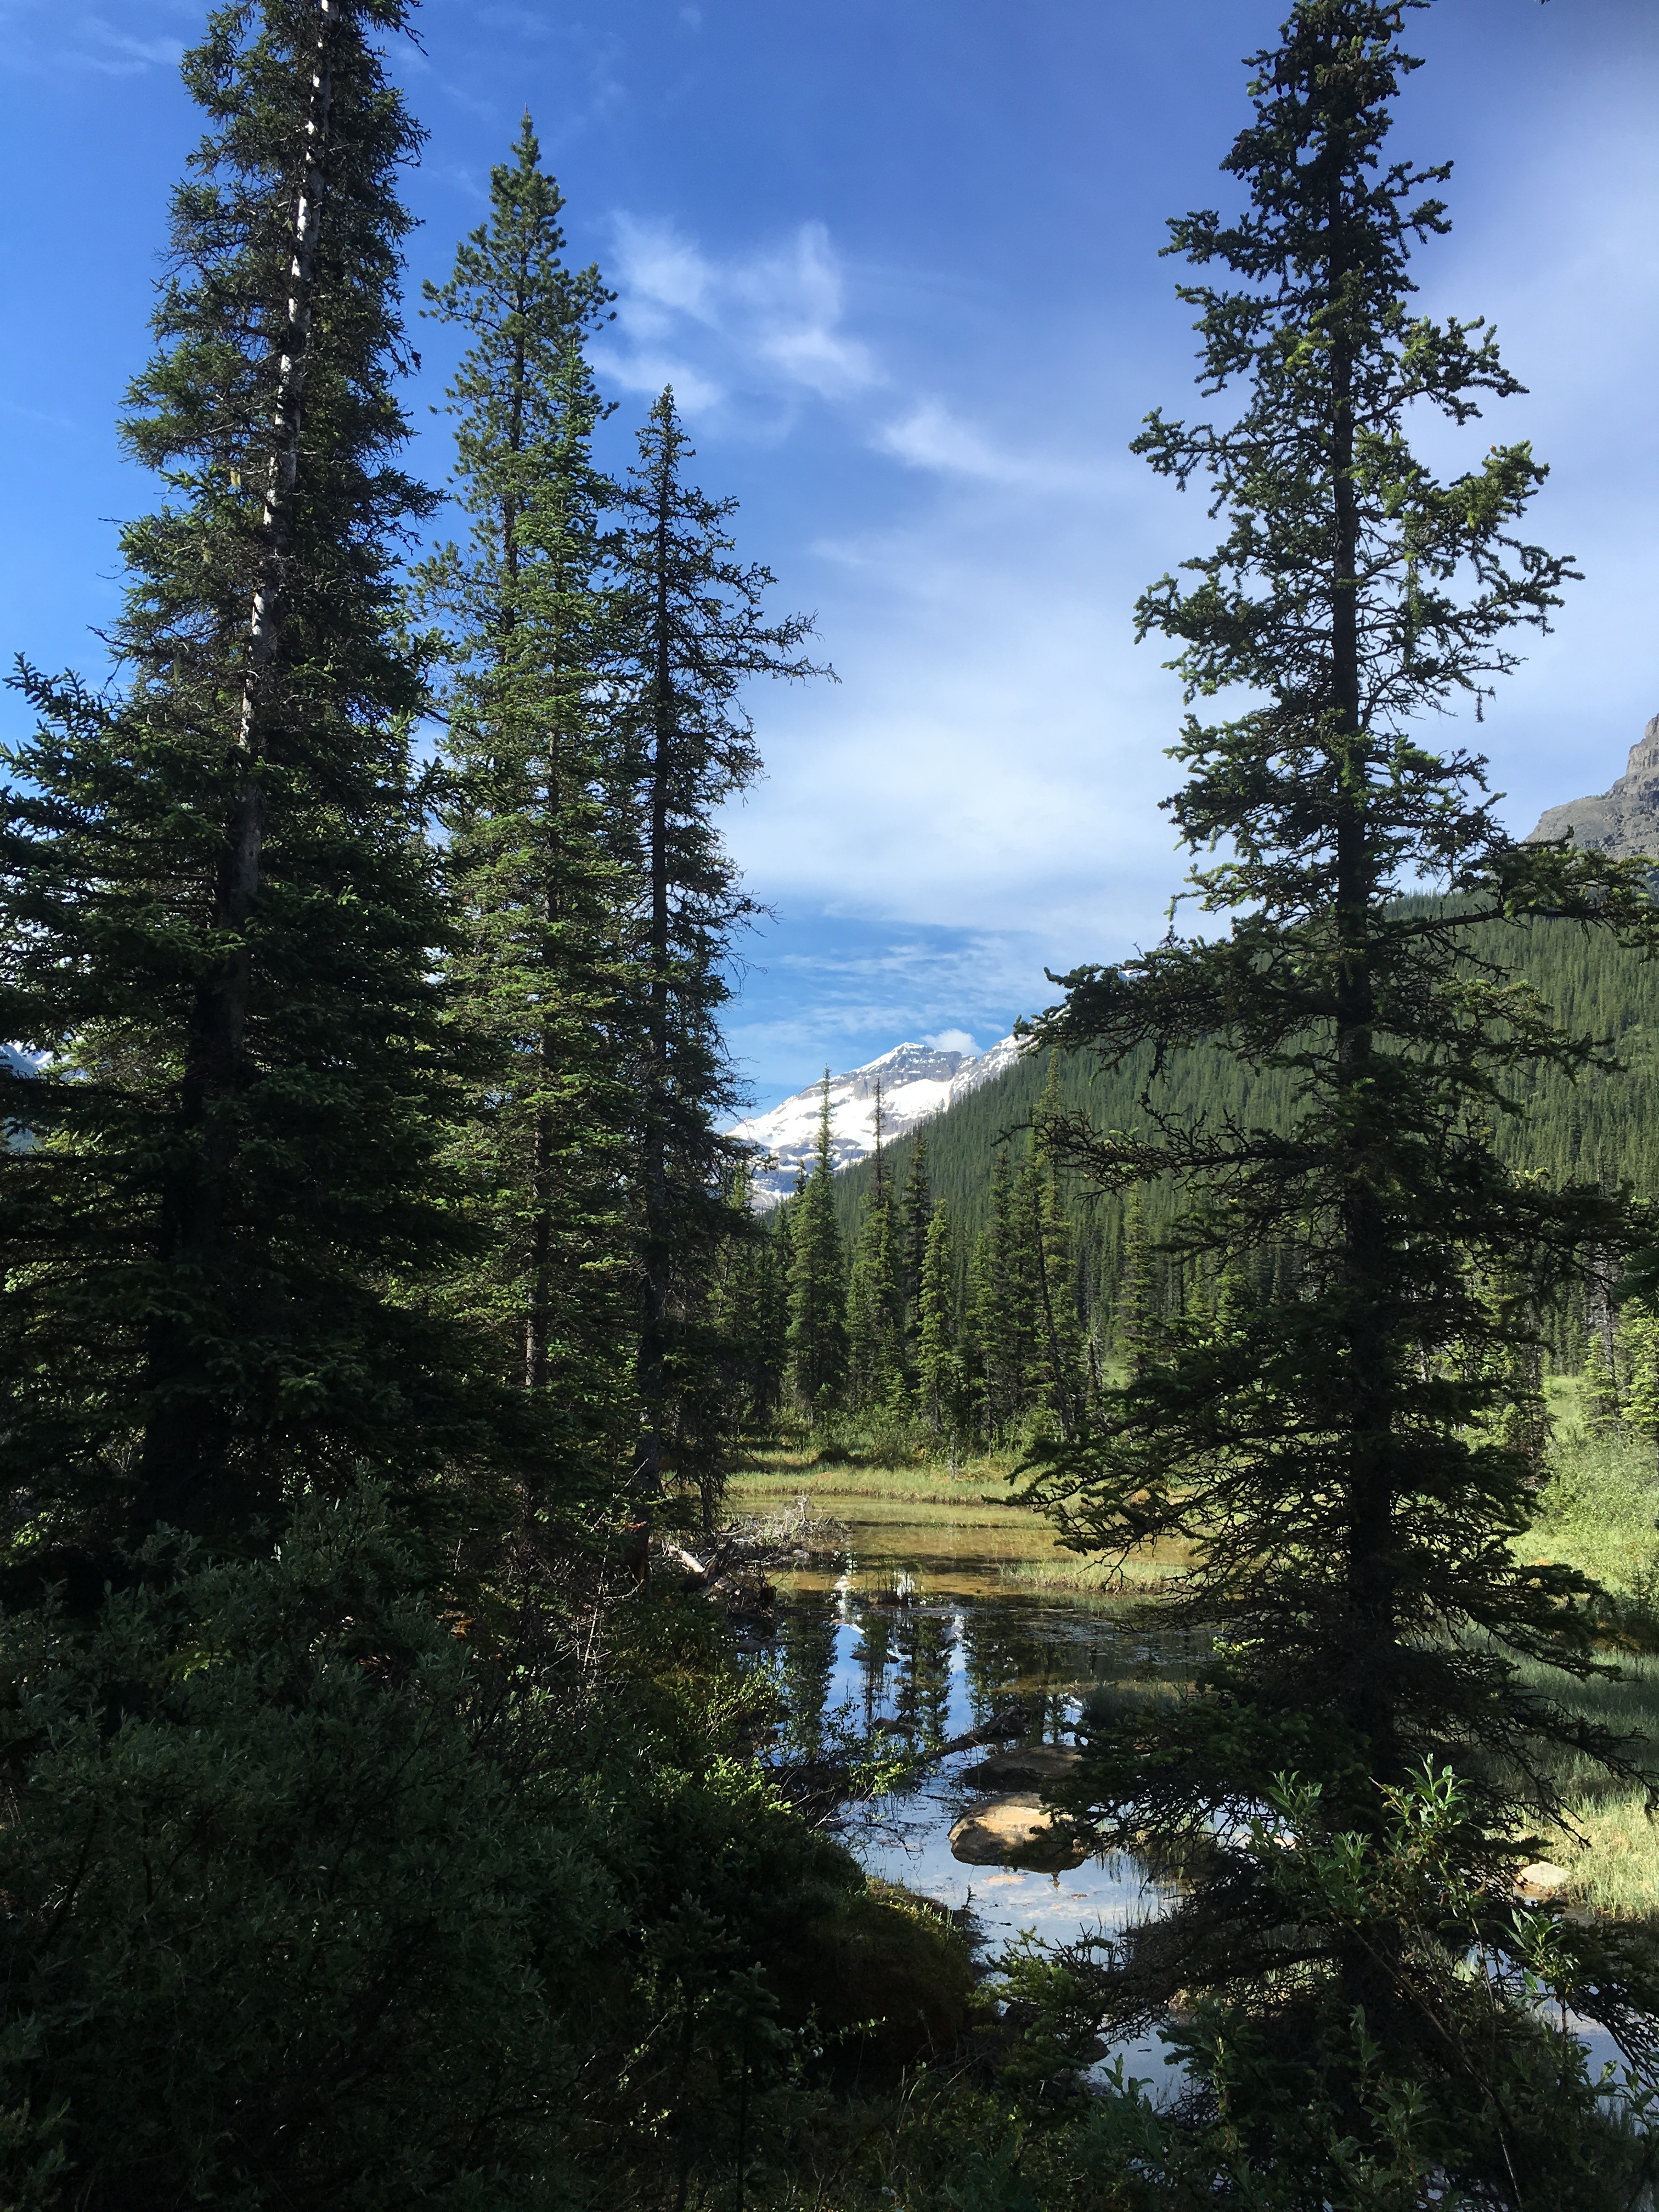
{"x": 296, "y": 1913}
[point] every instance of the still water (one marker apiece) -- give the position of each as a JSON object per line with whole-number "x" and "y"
{"x": 917, "y": 1636}
{"x": 908, "y": 1647}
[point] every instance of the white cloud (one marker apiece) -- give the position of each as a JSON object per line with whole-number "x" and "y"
{"x": 140, "y": 50}
{"x": 661, "y": 275}
{"x": 77, "y": 42}
{"x": 650, "y": 372}
{"x": 931, "y": 437}
{"x": 951, "y": 1041}
{"x": 768, "y": 323}
{"x": 796, "y": 299}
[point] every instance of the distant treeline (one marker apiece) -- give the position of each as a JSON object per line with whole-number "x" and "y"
{"x": 1600, "y": 1129}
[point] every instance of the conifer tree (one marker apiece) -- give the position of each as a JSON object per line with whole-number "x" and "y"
{"x": 916, "y": 1220}
{"x": 817, "y": 1285}
{"x": 1133, "y": 1321}
{"x": 1054, "y": 1379}
{"x": 1330, "y": 1465}
{"x": 875, "y": 1294}
{"x": 991, "y": 1338}
{"x": 693, "y": 633}
{"x": 774, "y": 1272}
{"x": 538, "y": 971}
{"x": 939, "y": 1360}
{"x": 219, "y": 914}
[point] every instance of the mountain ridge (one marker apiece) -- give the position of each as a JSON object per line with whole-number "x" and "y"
{"x": 916, "y": 1081}
{"x": 1622, "y": 821}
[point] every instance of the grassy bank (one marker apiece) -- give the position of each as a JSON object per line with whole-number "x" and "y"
{"x": 894, "y": 1499}
{"x": 1597, "y": 1512}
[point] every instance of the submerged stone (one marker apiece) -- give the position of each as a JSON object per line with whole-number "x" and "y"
{"x": 1019, "y": 1831}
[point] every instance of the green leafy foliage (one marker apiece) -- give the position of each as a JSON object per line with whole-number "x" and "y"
{"x": 299, "y": 1909}
{"x": 1460, "y": 2086}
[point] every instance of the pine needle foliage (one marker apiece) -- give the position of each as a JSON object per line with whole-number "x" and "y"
{"x": 916, "y": 1220}
{"x": 693, "y": 632}
{"x": 538, "y": 973}
{"x": 875, "y": 1295}
{"x": 1323, "y": 1464}
{"x": 940, "y": 1393}
{"x": 218, "y": 908}
{"x": 817, "y": 1340}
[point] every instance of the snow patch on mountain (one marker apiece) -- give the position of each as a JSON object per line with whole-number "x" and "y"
{"x": 916, "y": 1081}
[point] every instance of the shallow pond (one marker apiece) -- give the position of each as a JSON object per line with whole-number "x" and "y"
{"x": 908, "y": 1645}
{"x": 915, "y": 1636}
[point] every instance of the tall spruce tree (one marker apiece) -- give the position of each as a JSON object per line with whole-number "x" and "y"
{"x": 1054, "y": 1380}
{"x": 915, "y": 1218}
{"x": 219, "y": 914}
{"x": 938, "y": 1358}
{"x": 693, "y": 635}
{"x": 539, "y": 972}
{"x": 1133, "y": 1317}
{"x": 817, "y": 1283}
{"x": 1327, "y": 1462}
{"x": 993, "y": 1339}
{"x": 875, "y": 1292}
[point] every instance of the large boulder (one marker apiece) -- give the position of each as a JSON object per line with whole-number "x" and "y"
{"x": 1019, "y": 1830}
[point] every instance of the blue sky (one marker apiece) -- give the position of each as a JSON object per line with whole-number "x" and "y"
{"x": 900, "y": 258}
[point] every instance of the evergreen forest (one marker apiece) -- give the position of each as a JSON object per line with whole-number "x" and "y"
{"x": 400, "y": 1803}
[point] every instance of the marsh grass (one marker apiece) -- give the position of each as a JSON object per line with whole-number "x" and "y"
{"x": 976, "y": 1490}
{"x": 1610, "y": 1846}
{"x": 1069, "y": 1571}
{"x": 1597, "y": 1512}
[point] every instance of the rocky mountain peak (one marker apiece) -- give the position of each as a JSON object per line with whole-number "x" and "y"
{"x": 905, "y": 1063}
{"x": 1623, "y": 821}
{"x": 915, "y": 1080}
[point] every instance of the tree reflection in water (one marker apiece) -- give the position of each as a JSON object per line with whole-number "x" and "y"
{"x": 861, "y": 1668}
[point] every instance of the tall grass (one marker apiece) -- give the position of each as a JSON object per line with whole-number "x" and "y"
{"x": 1597, "y": 1512}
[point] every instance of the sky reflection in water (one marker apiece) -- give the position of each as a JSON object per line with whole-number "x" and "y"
{"x": 931, "y": 1670}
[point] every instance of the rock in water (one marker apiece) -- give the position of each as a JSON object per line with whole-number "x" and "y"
{"x": 1027, "y": 1766}
{"x": 1623, "y": 821}
{"x": 1019, "y": 1831}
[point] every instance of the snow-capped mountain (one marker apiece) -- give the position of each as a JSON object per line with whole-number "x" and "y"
{"x": 915, "y": 1081}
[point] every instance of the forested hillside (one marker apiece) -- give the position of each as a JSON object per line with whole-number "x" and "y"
{"x": 1603, "y": 1127}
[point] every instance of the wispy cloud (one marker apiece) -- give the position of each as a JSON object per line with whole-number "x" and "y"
{"x": 770, "y": 324}
{"x": 141, "y": 53}
{"x": 775, "y": 327}
{"x": 38, "y": 40}
{"x": 930, "y": 436}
